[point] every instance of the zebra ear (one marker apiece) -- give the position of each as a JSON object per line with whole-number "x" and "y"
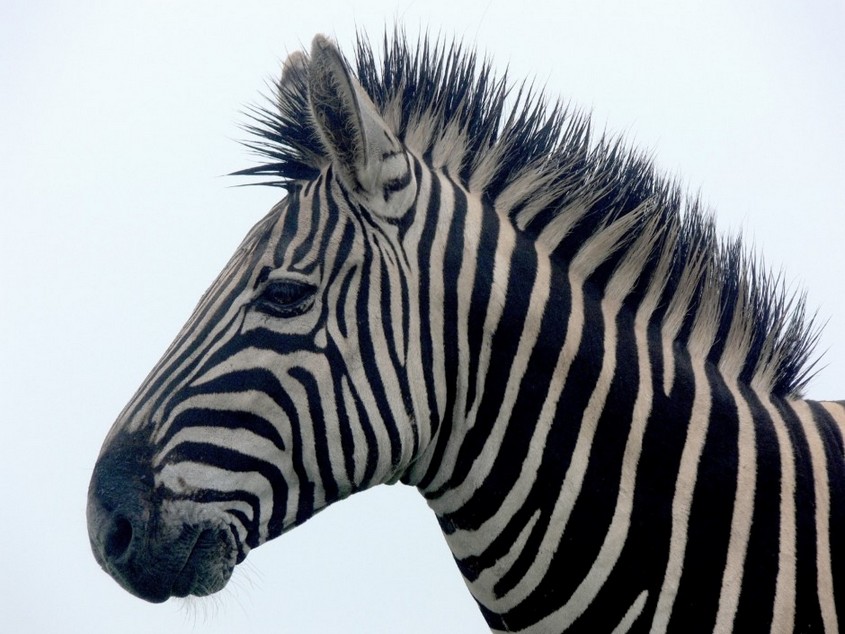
{"x": 369, "y": 158}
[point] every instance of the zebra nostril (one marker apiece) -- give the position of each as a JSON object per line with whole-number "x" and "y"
{"x": 118, "y": 539}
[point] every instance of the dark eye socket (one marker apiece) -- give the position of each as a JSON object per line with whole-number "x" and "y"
{"x": 286, "y": 298}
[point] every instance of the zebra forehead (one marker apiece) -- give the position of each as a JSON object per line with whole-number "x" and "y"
{"x": 538, "y": 162}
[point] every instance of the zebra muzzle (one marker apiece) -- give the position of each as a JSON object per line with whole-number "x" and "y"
{"x": 151, "y": 556}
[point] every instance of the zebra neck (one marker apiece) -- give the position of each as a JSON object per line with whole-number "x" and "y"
{"x": 547, "y": 505}
{"x": 572, "y": 402}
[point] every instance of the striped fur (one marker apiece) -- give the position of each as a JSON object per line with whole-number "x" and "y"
{"x": 597, "y": 397}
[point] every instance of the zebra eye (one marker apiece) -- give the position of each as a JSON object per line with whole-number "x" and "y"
{"x": 286, "y": 298}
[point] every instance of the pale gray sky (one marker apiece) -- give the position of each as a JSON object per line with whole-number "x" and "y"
{"x": 117, "y": 122}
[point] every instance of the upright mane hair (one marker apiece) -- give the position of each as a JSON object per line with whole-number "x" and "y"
{"x": 561, "y": 186}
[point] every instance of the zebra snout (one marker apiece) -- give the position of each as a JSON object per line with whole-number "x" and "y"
{"x": 145, "y": 542}
{"x": 120, "y": 516}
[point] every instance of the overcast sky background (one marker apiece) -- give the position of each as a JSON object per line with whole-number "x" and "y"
{"x": 118, "y": 122}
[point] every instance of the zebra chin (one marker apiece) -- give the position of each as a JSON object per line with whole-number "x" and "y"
{"x": 152, "y": 552}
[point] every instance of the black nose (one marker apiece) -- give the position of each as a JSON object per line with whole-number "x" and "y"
{"x": 120, "y": 513}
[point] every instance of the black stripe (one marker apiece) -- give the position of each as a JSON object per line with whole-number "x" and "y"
{"x": 317, "y": 418}
{"x": 756, "y": 601}
{"x": 711, "y": 512}
{"x": 439, "y": 429}
{"x": 833, "y": 448}
{"x": 807, "y": 611}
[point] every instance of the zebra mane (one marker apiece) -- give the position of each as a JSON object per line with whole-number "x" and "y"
{"x": 564, "y": 188}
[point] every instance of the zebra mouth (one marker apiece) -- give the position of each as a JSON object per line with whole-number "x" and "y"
{"x": 208, "y": 566}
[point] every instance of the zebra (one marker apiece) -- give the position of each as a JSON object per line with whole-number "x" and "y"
{"x": 465, "y": 291}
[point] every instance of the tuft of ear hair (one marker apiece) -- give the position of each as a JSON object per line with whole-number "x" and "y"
{"x": 295, "y": 69}
{"x": 371, "y": 162}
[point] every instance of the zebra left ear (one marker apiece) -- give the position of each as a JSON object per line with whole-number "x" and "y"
{"x": 370, "y": 160}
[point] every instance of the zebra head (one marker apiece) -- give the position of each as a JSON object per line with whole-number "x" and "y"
{"x": 296, "y": 381}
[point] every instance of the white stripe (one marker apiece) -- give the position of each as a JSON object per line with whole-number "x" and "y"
{"x": 501, "y": 270}
{"x": 681, "y": 503}
{"x": 465, "y": 285}
{"x": 743, "y": 512}
{"x": 676, "y": 313}
{"x": 632, "y": 614}
{"x": 836, "y": 409}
